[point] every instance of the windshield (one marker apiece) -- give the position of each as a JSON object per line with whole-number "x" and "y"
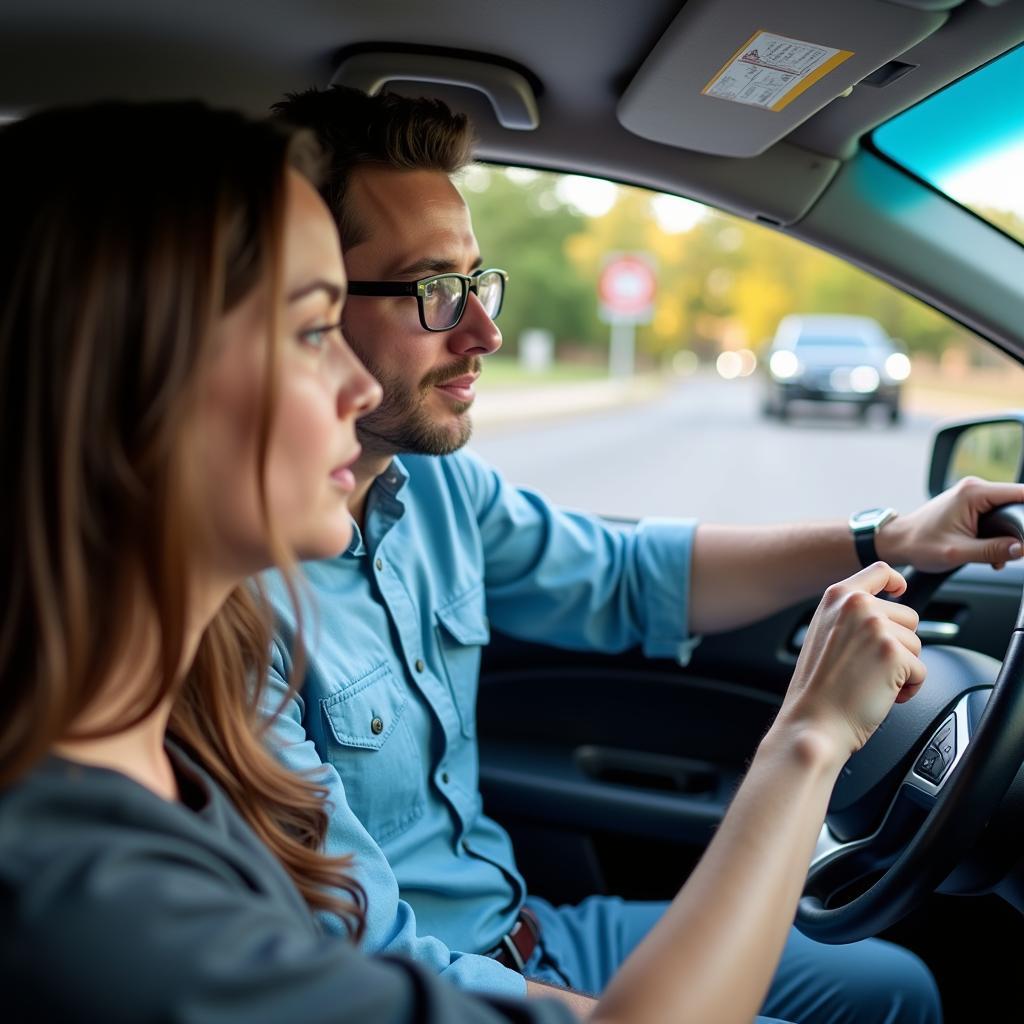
{"x": 599, "y": 410}
{"x": 968, "y": 142}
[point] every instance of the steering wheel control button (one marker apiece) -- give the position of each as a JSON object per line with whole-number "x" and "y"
{"x": 945, "y": 741}
{"x": 940, "y": 752}
{"x": 930, "y": 766}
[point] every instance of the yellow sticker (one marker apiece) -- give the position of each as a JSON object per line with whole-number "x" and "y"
{"x": 770, "y": 71}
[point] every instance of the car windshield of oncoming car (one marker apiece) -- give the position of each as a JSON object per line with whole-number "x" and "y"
{"x": 640, "y": 372}
{"x": 968, "y": 142}
{"x": 831, "y": 342}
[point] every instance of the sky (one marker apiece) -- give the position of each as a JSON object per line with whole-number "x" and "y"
{"x": 968, "y": 139}
{"x": 595, "y": 197}
{"x": 996, "y": 181}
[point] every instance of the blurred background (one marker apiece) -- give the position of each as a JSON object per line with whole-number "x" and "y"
{"x": 635, "y": 380}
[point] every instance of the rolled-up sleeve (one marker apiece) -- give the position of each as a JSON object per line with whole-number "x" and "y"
{"x": 574, "y": 580}
{"x": 391, "y": 921}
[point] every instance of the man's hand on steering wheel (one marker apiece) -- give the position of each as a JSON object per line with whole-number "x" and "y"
{"x": 942, "y": 534}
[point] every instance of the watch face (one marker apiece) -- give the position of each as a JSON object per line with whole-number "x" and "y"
{"x": 869, "y": 515}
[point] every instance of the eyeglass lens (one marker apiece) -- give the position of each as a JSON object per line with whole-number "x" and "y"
{"x": 489, "y": 289}
{"x": 444, "y": 298}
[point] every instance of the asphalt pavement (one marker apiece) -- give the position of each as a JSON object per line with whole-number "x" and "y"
{"x": 701, "y": 447}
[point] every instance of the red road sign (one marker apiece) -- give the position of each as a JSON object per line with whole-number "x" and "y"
{"x": 626, "y": 287}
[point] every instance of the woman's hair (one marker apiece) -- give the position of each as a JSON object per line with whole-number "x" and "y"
{"x": 126, "y": 232}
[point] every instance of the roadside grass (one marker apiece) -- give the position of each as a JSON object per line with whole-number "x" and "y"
{"x": 975, "y": 391}
{"x": 507, "y": 373}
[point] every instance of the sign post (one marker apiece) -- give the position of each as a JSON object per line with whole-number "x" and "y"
{"x": 626, "y": 290}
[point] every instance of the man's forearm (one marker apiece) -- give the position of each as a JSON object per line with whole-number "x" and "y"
{"x": 744, "y": 573}
{"x": 740, "y": 574}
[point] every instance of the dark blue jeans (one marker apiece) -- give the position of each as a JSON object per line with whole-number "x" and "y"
{"x": 869, "y": 982}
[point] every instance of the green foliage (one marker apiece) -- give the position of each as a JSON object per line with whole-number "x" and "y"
{"x": 723, "y": 283}
{"x": 523, "y": 227}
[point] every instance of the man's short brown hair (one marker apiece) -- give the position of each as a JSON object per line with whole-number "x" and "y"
{"x": 394, "y": 131}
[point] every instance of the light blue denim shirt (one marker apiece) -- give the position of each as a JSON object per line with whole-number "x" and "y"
{"x": 387, "y": 712}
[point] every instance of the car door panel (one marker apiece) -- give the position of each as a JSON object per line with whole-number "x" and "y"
{"x": 597, "y": 757}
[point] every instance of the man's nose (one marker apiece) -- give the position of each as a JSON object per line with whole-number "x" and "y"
{"x": 476, "y": 333}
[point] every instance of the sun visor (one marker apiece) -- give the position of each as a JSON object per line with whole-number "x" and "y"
{"x": 732, "y": 78}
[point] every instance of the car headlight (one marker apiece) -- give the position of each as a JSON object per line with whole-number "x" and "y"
{"x": 897, "y": 366}
{"x": 784, "y": 365}
{"x": 864, "y": 379}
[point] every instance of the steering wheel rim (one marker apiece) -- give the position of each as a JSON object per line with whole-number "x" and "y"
{"x": 966, "y": 799}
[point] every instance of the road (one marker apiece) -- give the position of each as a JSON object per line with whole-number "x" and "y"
{"x": 704, "y": 449}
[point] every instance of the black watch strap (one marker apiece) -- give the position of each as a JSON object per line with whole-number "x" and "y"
{"x": 864, "y": 542}
{"x": 864, "y": 526}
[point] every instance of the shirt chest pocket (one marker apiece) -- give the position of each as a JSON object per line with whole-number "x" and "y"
{"x": 462, "y": 630}
{"x": 373, "y": 749}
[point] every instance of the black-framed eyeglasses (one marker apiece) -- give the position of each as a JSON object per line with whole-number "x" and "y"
{"x": 442, "y": 298}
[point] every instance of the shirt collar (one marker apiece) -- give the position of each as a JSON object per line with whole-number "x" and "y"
{"x": 383, "y": 509}
{"x": 356, "y": 546}
{"x": 393, "y": 479}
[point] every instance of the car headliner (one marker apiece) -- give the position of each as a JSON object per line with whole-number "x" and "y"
{"x": 818, "y": 181}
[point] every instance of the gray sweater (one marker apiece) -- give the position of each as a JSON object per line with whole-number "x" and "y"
{"x": 116, "y": 905}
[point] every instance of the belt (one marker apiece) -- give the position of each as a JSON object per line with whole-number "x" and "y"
{"x": 516, "y": 948}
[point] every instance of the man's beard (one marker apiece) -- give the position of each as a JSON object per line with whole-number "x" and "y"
{"x": 401, "y": 423}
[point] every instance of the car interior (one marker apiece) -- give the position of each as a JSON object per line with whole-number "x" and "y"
{"x": 612, "y": 772}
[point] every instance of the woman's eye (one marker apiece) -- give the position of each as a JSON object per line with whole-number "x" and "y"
{"x": 318, "y": 337}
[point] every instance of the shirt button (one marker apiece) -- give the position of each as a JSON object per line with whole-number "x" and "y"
{"x": 444, "y": 778}
{"x": 419, "y": 665}
{"x": 379, "y": 564}
{"x": 377, "y": 726}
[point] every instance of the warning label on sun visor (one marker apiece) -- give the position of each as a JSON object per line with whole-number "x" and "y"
{"x": 770, "y": 70}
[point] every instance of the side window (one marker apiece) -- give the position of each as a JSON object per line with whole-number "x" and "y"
{"x": 662, "y": 358}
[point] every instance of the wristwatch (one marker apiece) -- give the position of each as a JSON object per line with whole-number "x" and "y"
{"x": 864, "y": 525}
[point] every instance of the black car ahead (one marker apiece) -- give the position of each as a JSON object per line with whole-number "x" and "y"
{"x": 832, "y": 358}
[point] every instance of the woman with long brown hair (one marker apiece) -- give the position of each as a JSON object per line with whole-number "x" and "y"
{"x": 177, "y": 409}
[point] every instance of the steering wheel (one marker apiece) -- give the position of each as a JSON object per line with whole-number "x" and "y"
{"x": 913, "y": 801}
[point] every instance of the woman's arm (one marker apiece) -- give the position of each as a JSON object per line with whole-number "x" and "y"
{"x": 712, "y": 956}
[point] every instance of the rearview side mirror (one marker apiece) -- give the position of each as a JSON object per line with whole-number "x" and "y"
{"x": 989, "y": 447}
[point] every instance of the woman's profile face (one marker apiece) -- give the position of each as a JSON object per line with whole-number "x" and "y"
{"x": 321, "y": 389}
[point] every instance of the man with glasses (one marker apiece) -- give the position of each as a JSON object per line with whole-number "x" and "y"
{"x": 441, "y": 299}
{"x": 444, "y": 547}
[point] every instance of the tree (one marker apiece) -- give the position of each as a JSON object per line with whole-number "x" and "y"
{"x": 722, "y": 282}
{"x": 522, "y": 226}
